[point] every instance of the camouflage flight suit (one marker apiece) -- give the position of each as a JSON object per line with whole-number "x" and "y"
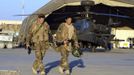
{"x": 39, "y": 36}
{"x": 61, "y": 35}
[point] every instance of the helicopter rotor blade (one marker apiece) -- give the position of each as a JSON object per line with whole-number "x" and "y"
{"x": 81, "y": 13}
{"x": 111, "y": 15}
{"x": 28, "y": 14}
{"x": 22, "y": 15}
{"x": 104, "y": 14}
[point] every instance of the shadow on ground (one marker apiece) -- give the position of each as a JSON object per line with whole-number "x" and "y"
{"x": 51, "y": 65}
{"x": 76, "y": 63}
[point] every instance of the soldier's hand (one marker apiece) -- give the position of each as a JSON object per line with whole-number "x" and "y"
{"x": 27, "y": 46}
{"x": 66, "y": 41}
{"x": 76, "y": 45}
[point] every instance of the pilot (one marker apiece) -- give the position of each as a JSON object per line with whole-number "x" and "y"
{"x": 39, "y": 35}
{"x": 66, "y": 31}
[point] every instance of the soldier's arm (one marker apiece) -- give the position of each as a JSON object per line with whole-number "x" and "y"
{"x": 49, "y": 32}
{"x": 59, "y": 32}
{"x": 75, "y": 38}
{"x": 28, "y": 40}
{"x": 30, "y": 34}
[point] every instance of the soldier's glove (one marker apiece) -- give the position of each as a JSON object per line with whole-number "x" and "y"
{"x": 28, "y": 49}
{"x": 76, "y": 45}
{"x": 59, "y": 43}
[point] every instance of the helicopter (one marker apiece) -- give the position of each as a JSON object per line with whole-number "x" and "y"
{"x": 89, "y": 32}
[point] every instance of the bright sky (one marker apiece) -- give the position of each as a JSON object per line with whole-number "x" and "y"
{"x": 9, "y": 8}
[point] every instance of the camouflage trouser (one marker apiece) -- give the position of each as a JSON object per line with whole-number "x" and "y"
{"x": 64, "y": 57}
{"x": 40, "y": 51}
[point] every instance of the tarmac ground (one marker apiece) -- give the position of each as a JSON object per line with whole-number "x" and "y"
{"x": 114, "y": 62}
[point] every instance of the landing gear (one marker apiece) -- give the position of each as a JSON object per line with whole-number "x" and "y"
{"x": 88, "y": 46}
{"x": 93, "y": 48}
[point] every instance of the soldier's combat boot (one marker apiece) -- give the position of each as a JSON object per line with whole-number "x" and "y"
{"x": 34, "y": 71}
{"x": 67, "y": 72}
{"x": 61, "y": 69}
{"x": 42, "y": 73}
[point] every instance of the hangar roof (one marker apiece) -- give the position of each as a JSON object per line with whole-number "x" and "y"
{"x": 56, "y": 4}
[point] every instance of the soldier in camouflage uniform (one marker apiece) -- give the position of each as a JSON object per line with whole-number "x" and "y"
{"x": 66, "y": 32}
{"x": 39, "y": 35}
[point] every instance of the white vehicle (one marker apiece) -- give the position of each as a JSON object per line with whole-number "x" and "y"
{"x": 124, "y": 44}
{"x": 6, "y": 39}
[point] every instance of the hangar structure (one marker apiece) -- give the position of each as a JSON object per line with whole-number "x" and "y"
{"x": 117, "y": 7}
{"x": 121, "y": 7}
